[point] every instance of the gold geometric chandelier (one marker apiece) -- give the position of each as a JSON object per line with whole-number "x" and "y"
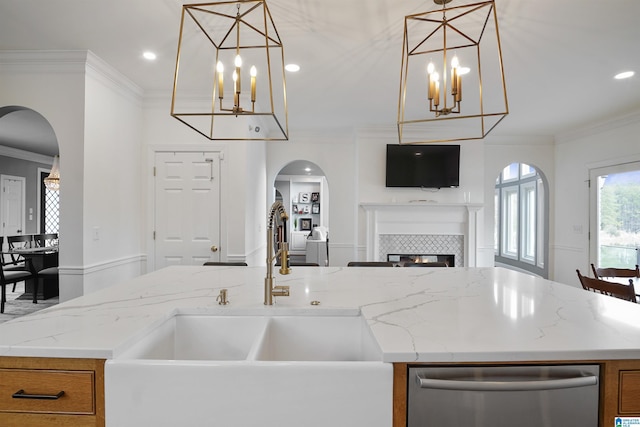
{"x": 229, "y": 81}
{"x": 441, "y": 50}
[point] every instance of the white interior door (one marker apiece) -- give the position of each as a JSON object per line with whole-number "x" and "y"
{"x": 187, "y": 208}
{"x": 13, "y": 205}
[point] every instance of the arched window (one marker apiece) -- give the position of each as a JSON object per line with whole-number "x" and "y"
{"x": 521, "y": 228}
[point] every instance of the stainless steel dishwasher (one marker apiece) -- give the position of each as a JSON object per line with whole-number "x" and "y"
{"x": 490, "y": 396}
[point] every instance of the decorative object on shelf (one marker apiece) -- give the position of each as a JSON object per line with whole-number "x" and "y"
{"x": 441, "y": 50}
{"x": 315, "y": 208}
{"x": 294, "y": 209}
{"x": 315, "y": 197}
{"x": 305, "y": 197}
{"x": 52, "y": 182}
{"x": 244, "y": 46}
{"x": 305, "y": 209}
{"x": 305, "y": 224}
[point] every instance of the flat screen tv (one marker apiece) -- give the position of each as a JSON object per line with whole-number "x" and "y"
{"x": 425, "y": 166}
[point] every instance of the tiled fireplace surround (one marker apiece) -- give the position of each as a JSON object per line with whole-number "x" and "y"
{"x": 422, "y": 228}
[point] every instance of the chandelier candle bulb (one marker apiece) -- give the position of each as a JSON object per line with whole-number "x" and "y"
{"x": 253, "y": 73}
{"x": 430, "y": 69}
{"x": 236, "y": 94}
{"x": 436, "y": 89}
{"x": 220, "y": 69}
{"x": 238, "y": 64}
{"x": 459, "y": 89}
{"x": 454, "y": 75}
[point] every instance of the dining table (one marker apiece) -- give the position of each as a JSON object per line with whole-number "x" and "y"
{"x": 41, "y": 258}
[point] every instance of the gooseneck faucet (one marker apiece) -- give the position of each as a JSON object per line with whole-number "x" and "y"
{"x": 271, "y": 291}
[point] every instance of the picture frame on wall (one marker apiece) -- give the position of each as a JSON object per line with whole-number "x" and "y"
{"x": 315, "y": 208}
{"x": 315, "y": 197}
{"x": 305, "y": 224}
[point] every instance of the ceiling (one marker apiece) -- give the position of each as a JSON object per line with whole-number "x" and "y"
{"x": 559, "y": 56}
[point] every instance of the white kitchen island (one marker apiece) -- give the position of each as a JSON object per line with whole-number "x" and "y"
{"x": 416, "y": 315}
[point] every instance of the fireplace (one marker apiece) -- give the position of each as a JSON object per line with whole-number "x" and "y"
{"x": 422, "y": 228}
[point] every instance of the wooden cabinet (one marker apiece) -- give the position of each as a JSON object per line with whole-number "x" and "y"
{"x": 51, "y": 392}
{"x": 621, "y": 391}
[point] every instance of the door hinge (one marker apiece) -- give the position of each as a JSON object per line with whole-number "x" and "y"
{"x": 154, "y": 171}
{"x": 154, "y": 235}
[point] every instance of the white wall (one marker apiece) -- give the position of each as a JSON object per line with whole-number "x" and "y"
{"x": 94, "y": 112}
{"x": 335, "y": 154}
{"x": 53, "y": 85}
{"x": 605, "y": 144}
{"x": 255, "y": 213}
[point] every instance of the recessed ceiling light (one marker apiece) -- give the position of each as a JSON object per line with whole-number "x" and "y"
{"x": 292, "y": 67}
{"x": 149, "y": 55}
{"x": 624, "y": 75}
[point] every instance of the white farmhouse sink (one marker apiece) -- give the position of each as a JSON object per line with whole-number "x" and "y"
{"x": 311, "y": 338}
{"x": 200, "y": 337}
{"x": 248, "y": 370}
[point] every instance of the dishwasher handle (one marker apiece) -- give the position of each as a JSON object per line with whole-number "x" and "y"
{"x": 551, "y": 384}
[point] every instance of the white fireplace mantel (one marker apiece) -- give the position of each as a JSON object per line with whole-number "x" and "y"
{"x": 423, "y": 218}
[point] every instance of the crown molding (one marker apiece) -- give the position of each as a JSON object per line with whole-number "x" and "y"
{"x": 16, "y": 153}
{"x": 600, "y": 127}
{"x": 82, "y": 62}
{"x": 37, "y": 61}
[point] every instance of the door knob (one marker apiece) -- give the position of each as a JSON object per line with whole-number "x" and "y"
{"x": 214, "y": 248}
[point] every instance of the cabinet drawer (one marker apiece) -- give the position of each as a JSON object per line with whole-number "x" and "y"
{"x": 78, "y": 387}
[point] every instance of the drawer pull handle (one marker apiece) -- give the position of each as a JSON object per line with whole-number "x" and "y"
{"x": 20, "y": 394}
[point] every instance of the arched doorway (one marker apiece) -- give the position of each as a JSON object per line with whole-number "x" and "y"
{"x": 521, "y": 226}
{"x": 302, "y": 187}
{"x": 28, "y": 145}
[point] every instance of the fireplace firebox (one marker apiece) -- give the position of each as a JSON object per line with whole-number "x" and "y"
{"x": 417, "y": 258}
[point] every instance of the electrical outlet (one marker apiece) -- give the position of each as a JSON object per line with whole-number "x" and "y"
{"x": 96, "y": 233}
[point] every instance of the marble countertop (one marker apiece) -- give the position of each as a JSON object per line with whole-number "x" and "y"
{"x": 416, "y": 314}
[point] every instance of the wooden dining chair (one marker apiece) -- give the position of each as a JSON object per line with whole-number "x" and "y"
{"x": 8, "y": 277}
{"x": 617, "y": 290}
{"x": 610, "y": 272}
{"x": 49, "y": 273}
{"x": 369, "y": 264}
{"x": 46, "y": 239}
{"x": 17, "y": 262}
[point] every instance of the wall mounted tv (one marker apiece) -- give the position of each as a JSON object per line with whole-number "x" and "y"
{"x": 425, "y": 166}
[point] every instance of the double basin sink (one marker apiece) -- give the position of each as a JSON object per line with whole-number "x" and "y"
{"x": 301, "y": 368}
{"x": 259, "y": 338}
